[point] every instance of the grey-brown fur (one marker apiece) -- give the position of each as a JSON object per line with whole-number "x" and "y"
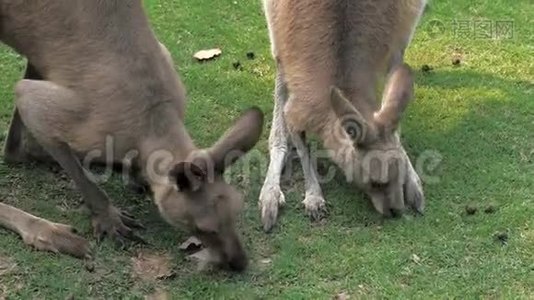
{"x": 106, "y": 75}
{"x": 331, "y": 56}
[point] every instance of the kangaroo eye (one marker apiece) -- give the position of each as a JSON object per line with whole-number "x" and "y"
{"x": 353, "y": 129}
{"x": 378, "y": 186}
{"x": 204, "y": 232}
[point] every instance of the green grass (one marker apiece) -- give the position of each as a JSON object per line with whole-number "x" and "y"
{"x": 479, "y": 116}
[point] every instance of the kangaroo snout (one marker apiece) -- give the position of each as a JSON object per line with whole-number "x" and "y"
{"x": 226, "y": 251}
{"x": 236, "y": 258}
{"x": 238, "y": 262}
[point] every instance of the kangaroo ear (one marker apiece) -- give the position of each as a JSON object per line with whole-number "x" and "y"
{"x": 188, "y": 176}
{"x": 397, "y": 94}
{"x": 237, "y": 140}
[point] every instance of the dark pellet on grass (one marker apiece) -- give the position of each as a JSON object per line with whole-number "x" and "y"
{"x": 426, "y": 68}
{"x": 501, "y": 237}
{"x": 470, "y": 209}
{"x": 251, "y": 55}
{"x": 237, "y": 65}
{"x": 456, "y": 62}
{"x": 490, "y": 209}
{"x": 90, "y": 267}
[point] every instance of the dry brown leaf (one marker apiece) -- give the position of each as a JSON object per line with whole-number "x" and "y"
{"x": 191, "y": 243}
{"x": 266, "y": 261}
{"x": 152, "y": 266}
{"x": 158, "y": 294}
{"x": 207, "y": 54}
{"x": 342, "y": 296}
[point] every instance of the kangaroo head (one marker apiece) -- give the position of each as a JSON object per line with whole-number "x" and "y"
{"x": 203, "y": 202}
{"x": 374, "y": 155}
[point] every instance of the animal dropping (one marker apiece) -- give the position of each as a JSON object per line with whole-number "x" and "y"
{"x": 490, "y": 209}
{"x": 237, "y": 65}
{"x": 207, "y": 54}
{"x": 426, "y": 68}
{"x": 470, "y": 209}
{"x": 502, "y": 237}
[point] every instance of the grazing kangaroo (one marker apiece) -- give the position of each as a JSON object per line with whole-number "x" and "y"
{"x": 330, "y": 57}
{"x": 96, "y": 71}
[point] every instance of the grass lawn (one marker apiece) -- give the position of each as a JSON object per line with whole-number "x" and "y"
{"x": 478, "y": 115}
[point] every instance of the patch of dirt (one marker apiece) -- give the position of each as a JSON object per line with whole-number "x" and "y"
{"x": 3, "y": 291}
{"x": 6, "y": 265}
{"x": 152, "y": 266}
{"x": 158, "y": 294}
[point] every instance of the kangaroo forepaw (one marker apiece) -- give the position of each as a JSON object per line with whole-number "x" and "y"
{"x": 117, "y": 225}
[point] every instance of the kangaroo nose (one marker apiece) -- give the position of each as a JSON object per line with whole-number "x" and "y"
{"x": 236, "y": 256}
{"x": 395, "y": 212}
{"x": 238, "y": 263}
